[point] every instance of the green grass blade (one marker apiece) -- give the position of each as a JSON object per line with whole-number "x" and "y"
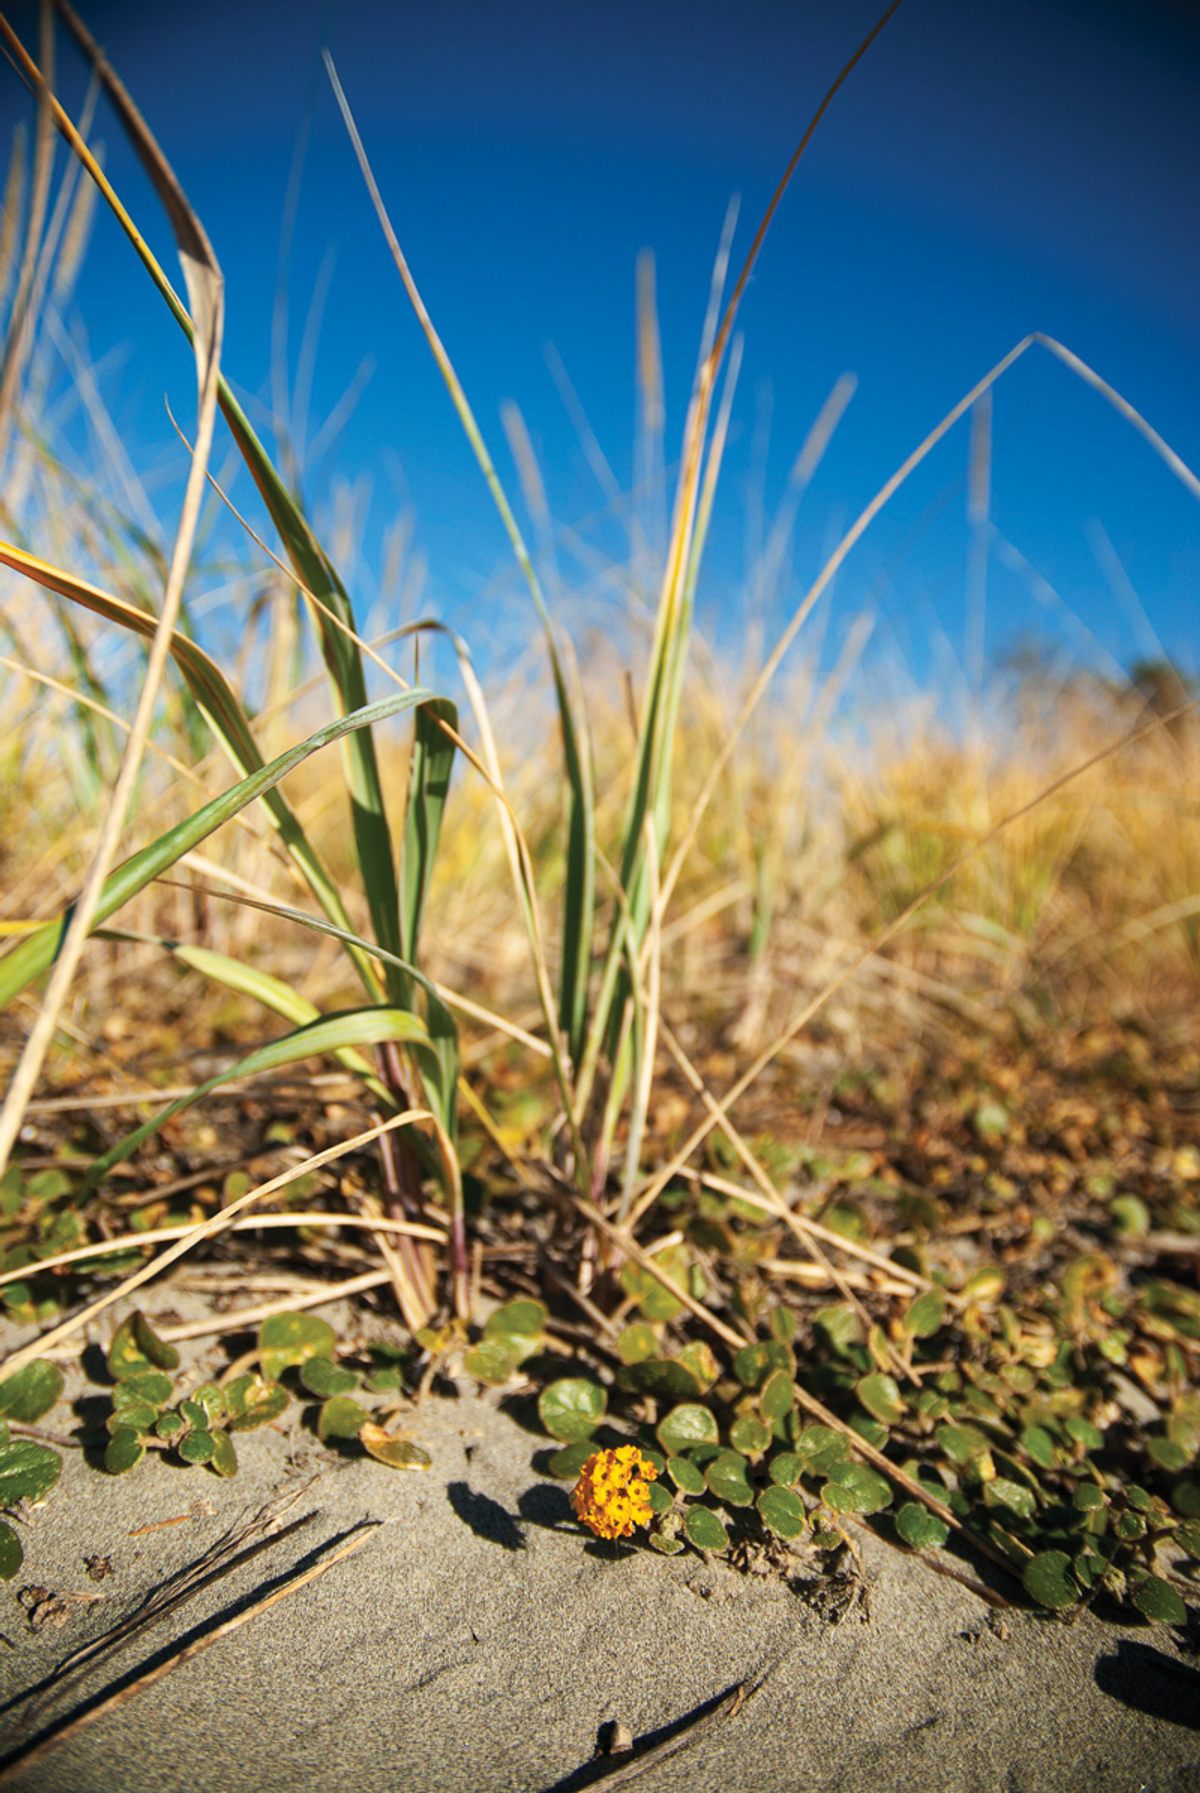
{"x": 34, "y": 954}
{"x": 428, "y": 786}
{"x": 579, "y": 892}
{"x": 332, "y": 1033}
{"x": 273, "y": 993}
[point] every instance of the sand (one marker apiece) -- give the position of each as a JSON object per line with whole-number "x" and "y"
{"x": 478, "y": 1643}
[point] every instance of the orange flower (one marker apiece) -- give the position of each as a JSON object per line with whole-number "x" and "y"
{"x": 612, "y": 1494}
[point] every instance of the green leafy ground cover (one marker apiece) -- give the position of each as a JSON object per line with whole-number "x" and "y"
{"x": 1017, "y": 1393}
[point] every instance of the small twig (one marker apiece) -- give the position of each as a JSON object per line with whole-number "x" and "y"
{"x": 161, "y": 1525}
{"x": 931, "y": 1561}
{"x": 55, "y": 1438}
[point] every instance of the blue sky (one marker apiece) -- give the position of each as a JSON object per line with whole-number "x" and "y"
{"x": 992, "y": 168}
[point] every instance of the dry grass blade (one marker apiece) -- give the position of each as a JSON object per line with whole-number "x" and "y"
{"x": 295, "y": 1217}
{"x": 221, "y": 1325}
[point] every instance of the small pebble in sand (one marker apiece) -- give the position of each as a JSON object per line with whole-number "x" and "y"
{"x": 614, "y": 1738}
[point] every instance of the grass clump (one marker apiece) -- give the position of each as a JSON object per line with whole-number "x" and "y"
{"x": 969, "y": 1325}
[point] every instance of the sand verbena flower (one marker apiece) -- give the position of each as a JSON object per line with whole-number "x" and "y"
{"x": 612, "y": 1494}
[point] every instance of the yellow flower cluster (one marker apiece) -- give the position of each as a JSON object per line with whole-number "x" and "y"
{"x": 611, "y": 1495}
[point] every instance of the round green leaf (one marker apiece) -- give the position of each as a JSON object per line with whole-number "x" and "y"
{"x": 396, "y": 1453}
{"x": 750, "y": 1365}
{"x": 664, "y": 1545}
{"x": 728, "y": 1479}
{"x": 27, "y": 1471}
{"x": 659, "y": 1497}
{"x": 778, "y": 1396}
{"x": 705, "y": 1530}
{"x": 685, "y": 1475}
{"x": 857, "y": 1489}
{"x": 783, "y": 1324}
{"x": 197, "y": 1447}
{"x": 785, "y": 1469}
{"x": 820, "y": 1449}
{"x": 1087, "y": 1569}
{"x": 870, "y": 1429}
{"x": 288, "y": 1339}
{"x": 1185, "y": 1498}
{"x": 1087, "y": 1497}
{"x": 782, "y": 1511}
{"x": 124, "y": 1451}
{"x": 210, "y": 1400}
{"x": 1038, "y": 1444}
{"x": 12, "y": 1553}
{"x": 251, "y": 1400}
{"x": 663, "y": 1376}
{"x": 1167, "y": 1454}
{"x": 655, "y": 1300}
{"x": 136, "y": 1347}
{"x": 31, "y": 1392}
{"x": 636, "y": 1343}
{"x": 921, "y": 1529}
{"x": 1188, "y": 1538}
{"x": 699, "y": 1360}
{"x": 1157, "y": 1601}
{"x": 571, "y": 1408}
{"x": 925, "y": 1314}
{"x": 749, "y": 1436}
{"x": 140, "y": 1416}
{"x": 518, "y": 1328}
{"x": 685, "y": 1426}
{"x": 880, "y": 1395}
{"x": 168, "y": 1425}
{"x": 1001, "y": 1492}
{"x": 340, "y": 1417}
{"x": 567, "y": 1463}
{"x": 1046, "y": 1578}
{"x": 962, "y": 1443}
{"x": 1085, "y": 1433}
{"x": 153, "y": 1386}
{"x": 323, "y": 1378}
{"x": 492, "y": 1361}
{"x": 224, "y": 1458}
{"x": 517, "y": 1319}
